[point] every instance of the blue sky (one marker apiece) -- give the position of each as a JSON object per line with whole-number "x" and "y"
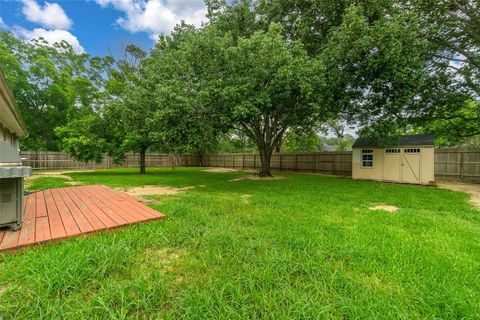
{"x": 98, "y": 27}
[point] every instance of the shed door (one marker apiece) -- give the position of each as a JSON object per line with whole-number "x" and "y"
{"x": 411, "y": 165}
{"x": 391, "y": 164}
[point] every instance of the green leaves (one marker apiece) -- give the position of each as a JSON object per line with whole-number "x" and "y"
{"x": 50, "y": 84}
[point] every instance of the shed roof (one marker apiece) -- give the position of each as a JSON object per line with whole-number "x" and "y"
{"x": 402, "y": 141}
{"x": 10, "y": 116}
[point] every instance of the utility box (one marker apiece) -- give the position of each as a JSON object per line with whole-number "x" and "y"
{"x": 11, "y": 186}
{"x": 11, "y": 208}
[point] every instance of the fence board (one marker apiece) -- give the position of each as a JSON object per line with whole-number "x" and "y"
{"x": 451, "y": 163}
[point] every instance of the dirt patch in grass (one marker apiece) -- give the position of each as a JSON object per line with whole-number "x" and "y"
{"x": 3, "y": 288}
{"x": 156, "y": 190}
{"x": 472, "y": 189}
{"x": 49, "y": 175}
{"x": 164, "y": 260}
{"x": 245, "y": 198}
{"x": 142, "y": 193}
{"x": 164, "y": 257}
{"x": 384, "y": 207}
{"x": 56, "y": 174}
{"x": 256, "y": 177}
{"x": 52, "y": 174}
{"x": 221, "y": 170}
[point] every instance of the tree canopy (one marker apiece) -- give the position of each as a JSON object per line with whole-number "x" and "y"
{"x": 264, "y": 74}
{"x": 52, "y": 85}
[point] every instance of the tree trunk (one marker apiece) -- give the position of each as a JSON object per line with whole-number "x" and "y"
{"x": 143, "y": 165}
{"x": 265, "y": 158}
{"x": 278, "y": 145}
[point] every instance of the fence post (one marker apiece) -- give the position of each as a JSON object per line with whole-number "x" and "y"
{"x": 462, "y": 165}
{"x": 280, "y": 166}
{"x": 334, "y": 164}
{"x": 254, "y": 161}
{"x": 296, "y": 162}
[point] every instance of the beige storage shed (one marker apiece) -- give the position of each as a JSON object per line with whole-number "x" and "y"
{"x": 410, "y": 159}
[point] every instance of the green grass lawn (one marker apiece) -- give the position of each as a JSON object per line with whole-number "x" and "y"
{"x": 303, "y": 247}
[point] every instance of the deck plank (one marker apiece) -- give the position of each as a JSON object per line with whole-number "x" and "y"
{"x": 94, "y": 221}
{"x": 134, "y": 203}
{"x": 27, "y": 233}
{"x": 69, "y": 222}
{"x": 42, "y": 229}
{"x": 111, "y": 205}
{"x": 2, "y": 233}
{"x": 93, "y": 201}
{"x": 10, "y": 240}
{"x": 124, "y": 204}
{"x": 106, "y": 220}
{"x": 57, "y": 229}
{"x": 77, "y": 214}
{"x": 41, "y": 207}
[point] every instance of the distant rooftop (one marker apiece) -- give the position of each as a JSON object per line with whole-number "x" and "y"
{"x": 402, "y": 141}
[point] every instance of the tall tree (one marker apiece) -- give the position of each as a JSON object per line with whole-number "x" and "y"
{"x": 135, "y": 106}
{"x": 124, "y": 122}
{"x": 187, "y": 69}
{"x": 51, "y": 84}
{"x": 271, "y": 86}
{"x": 209, "y": 83}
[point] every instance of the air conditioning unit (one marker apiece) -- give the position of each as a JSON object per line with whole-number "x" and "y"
{"x": 12, "y": 174}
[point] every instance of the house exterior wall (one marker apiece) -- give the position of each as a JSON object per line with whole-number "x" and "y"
{"x": 8, "y": 137}
{"x": 381, "y": 162}
{"x": 12, "y": 172}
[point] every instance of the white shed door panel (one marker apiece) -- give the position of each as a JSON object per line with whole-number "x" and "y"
{"x": 391, "y": 167}
{"x": 410, "y": 165}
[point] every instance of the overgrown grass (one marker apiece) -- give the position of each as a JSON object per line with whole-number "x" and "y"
{"x": 304, "y": 246}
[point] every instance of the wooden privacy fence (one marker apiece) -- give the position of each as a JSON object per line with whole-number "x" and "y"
{"x": 336, "y": 163}
{"x": 454, "y": 164}
{"x": 457, "y": 164}
{"x": 49, "y": 160}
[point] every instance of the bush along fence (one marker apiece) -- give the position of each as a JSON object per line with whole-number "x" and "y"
{"x": 454, "y": 163}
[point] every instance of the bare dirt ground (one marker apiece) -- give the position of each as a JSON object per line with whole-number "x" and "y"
{"x": 142, "y": 193}
{"x": 156, "y": 190}
{"x": 470, "y": 188}
{"x": 54, "y": 174}
{"x": 220, "y": 170}
{"x": 384, "y": 207}
{"x": 256, "y": 177}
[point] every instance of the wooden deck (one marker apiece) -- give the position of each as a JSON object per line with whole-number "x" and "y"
{"x": 61, "y": 213}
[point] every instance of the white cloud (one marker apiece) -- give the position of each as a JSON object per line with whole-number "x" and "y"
{"x": 51, "y": 36}
{"x": 157, "y": 16}
{"x": 3, "y": 25}
{"x": 51, "y": 15}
